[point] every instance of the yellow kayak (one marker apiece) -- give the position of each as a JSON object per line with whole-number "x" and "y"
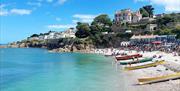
{"x": 145, "y": 65}
{"x": 159, "y": 78}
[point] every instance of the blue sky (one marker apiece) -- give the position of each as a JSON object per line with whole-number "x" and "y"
{"x": 22, "y": 18}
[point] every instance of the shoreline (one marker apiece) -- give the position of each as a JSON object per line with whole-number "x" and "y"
{"x": 172, "y": 65}
{"x": 160, "y": 70}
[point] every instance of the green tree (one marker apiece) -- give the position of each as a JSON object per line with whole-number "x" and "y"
{"x": 83, "y": 30}
{"x": 177, "y": 32}
{"x": 144, "y": 12}
{"x": 95, "y": 29}
{"x": 124, "y": 36}
{"x": 149, "y": 9}
{"x": 162, "y": 22}
{"x": 146, "y": 32}
{"x": 34, "y": 35}
{"x": 102, "y": 23}
{"x": 41, "y": 34}
{"x": 165, "y": 31}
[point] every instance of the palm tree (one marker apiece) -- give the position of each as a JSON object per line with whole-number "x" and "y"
{"x": 149, "y": 9}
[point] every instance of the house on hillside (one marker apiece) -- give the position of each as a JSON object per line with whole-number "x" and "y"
{"x": 136, "y": 17}
{"x": 127, "y": 16}
{"x": 33, "y": 38}
{"x": 159, "y": 15}
{"x": 45, "y": 37}
{"x": 70, "y": 33}
{"x": 151, "y": 27}
{"x": 123, "y": 16}
{"x": 51, "y": 35}
{"x": 41, "y": 37}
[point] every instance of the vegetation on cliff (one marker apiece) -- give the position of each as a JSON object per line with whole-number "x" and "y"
{"x": 169, "y": 24}
{"x": 100, "y": 33}
{"x": 147, "y": 11}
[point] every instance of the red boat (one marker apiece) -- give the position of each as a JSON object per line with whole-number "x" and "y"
{"x": 126, "y": 57}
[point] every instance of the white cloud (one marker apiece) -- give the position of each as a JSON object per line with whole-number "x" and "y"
{"x": 58, "y": 19}
{"x": 61, "y": 1}
{"x": 74, "y": 21}
{"x": 34, "y": 4}
{"x": 59, "y": 26}
{"x": 20, "y": 11}
{"x": 77, "y": 18}
{"x": 169, "y": 5}
{"x": 3, "y": 12}
{"x": 83, "y": 18}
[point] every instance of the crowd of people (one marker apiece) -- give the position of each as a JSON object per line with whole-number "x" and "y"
{"x": 166, "y": 46}
{"x": 173, "y": 47}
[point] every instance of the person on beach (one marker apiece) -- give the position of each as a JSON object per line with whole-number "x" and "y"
{"x": 133, "y": 58}
{"x": 154, "y": 56}
{"x": 159, "y": 56}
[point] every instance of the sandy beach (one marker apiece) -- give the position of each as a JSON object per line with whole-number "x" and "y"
{"x": 172, "y": 65}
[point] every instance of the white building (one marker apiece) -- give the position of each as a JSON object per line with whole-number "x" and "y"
{"x": 33, "y": 38}
{"x": 123, "y": 16}
{"x": 151, "y": 27}
{"x": 143, "y": 38}
{"x": 126, "y": 15}
{"x": 135, "y": 39}
{"x": 51, "y": 35}
{"x": 55, "y": 35}
{"x": 45, "y": 37}
{"x": 41, "y": 37}
{"x": 70, "y": 33}
{"x": 137, "y": 16}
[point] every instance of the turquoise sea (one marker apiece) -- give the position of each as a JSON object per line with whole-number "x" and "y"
{"x": 31, "y": 69}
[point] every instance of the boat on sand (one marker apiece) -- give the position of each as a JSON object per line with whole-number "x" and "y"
{"x": 126, "y": 57}
{"x": 149, "y": 80}
{"x": 145, "y": 65}
{"x": 136, "y": 61}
